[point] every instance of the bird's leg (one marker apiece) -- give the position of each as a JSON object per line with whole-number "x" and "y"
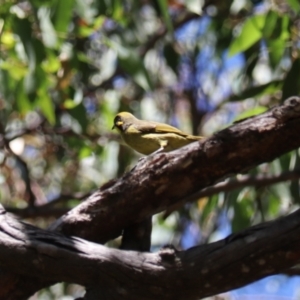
{"x": 159, "y": 150}
{"x": 141, "y": 159}
{"x": 151, "y": 154}
{"x": 163, "y": 145}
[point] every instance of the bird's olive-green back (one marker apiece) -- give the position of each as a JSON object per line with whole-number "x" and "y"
{"x": 124, "y": 119}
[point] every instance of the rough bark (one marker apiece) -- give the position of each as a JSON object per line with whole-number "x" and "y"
{"x": 169, "y": 274}
{"x": 156, "y": 183}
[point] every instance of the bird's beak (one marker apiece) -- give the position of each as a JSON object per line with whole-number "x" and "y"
{"x": 118, "y": 124}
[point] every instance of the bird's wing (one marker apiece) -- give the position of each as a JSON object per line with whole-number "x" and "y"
{"x": 145, "y": 126}
{"x": 154, "y": 127}
{"x": 164, "y": 128}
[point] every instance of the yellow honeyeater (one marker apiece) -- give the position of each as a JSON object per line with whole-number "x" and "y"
{"x": 149, "y": 137}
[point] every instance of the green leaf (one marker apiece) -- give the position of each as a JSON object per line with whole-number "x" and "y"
{"x": 51, "y": 64}
{"x": 209, "y": 208}
{"x": 291, "y": 85}
{"x": 15, "y": 70}
{"x": 281, "y": 190}
{"x": 79, "y": 114}
{"x": 283, "y": 162}
{"x": 172, "y": 57}
{"x": 39, "y": 50}
{"x": 85, "y": 151}
{"x": 252, "y": 58}
{"x": 163, "y": 6}
{"x": 33, "y": 81}
{"x": 46, "y": 105}
{"x": 34, "y": 49}
{"x": 276, "y": 26}
{"x": 270, "y": 25}
{"x": 251, "y": 112}
{"x": 30, "y": 83}
{"x": 22, "y": 101}
{"x": 295, "y": 5}
{"x": 62, "y": 15}
{"x": 7, "y": 39}
{"x": 69, "y": 104}
{"x": 243, "y": 209}
{"x": 5, "y": 84}
{"x": 273, "y": 205}
{"x": 277, "y": 33}
{"x": 250, "y": 34}
{"x": 118, "y": 12}
{"x": 276, "y": 51}
{"x": 264, "y": 89}
{"x": 85, "y": 31}
{"x": 22, "y": 28}
{"x": 99, "y": 22}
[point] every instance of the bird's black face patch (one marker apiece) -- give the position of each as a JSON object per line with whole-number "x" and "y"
{"x": 118, "y": 123}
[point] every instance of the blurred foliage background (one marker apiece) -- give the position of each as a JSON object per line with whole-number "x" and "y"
{"x": 67, "y": 67}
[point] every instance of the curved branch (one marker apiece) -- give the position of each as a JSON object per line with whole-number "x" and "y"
{"x": 201, "y": 271}
{"x": 48, "y": 209}
{"x": 164, "y": 179}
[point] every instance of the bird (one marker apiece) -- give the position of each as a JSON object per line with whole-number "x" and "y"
{"x": 148, "y": 137}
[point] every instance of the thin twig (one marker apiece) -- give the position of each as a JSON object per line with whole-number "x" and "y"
{"x": 48, "y": 209}
{"x": 257, "y": 181}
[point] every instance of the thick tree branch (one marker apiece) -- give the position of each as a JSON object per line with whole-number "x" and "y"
{"x": 162, "y": 180}
{"x": 38, "y": 211}
{"x": 43, "y": 256}
{"x": 48, "y": 209}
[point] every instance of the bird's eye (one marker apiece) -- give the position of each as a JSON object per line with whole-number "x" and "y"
{"x": 118, "y": 121}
